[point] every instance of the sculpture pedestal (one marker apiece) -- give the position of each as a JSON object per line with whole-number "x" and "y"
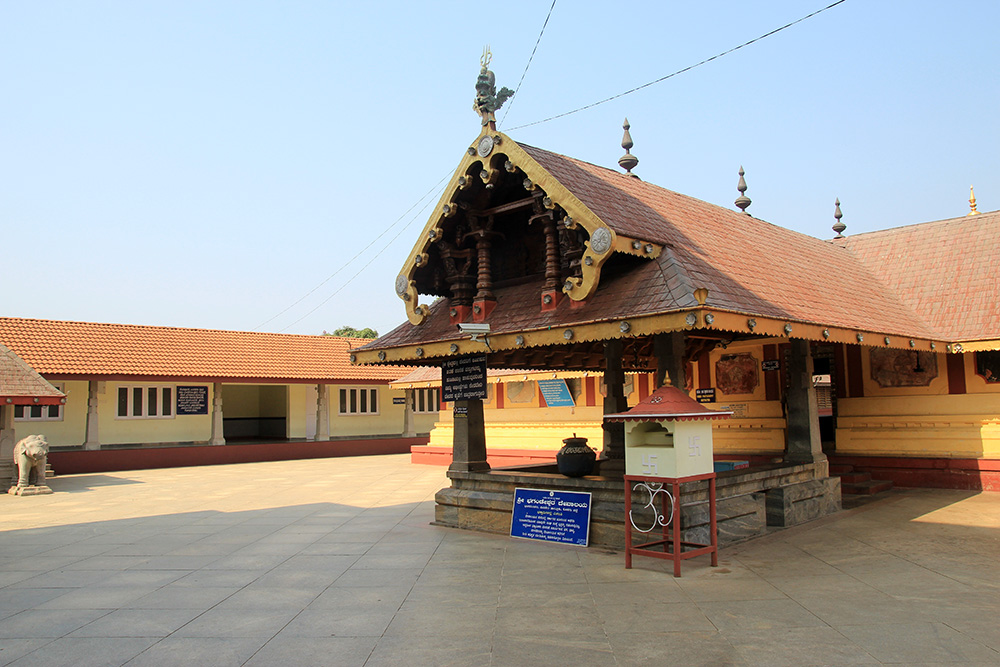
{"x": 29, "y": 490}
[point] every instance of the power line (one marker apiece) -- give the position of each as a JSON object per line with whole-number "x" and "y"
{"x": 530, "y": 58}
{"x": 376, "y": 256}
{"x": 680, "y": 71}
{"x": 360, "y": 252}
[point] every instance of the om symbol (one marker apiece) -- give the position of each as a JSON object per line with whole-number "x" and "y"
{"x": 653, "y": 489}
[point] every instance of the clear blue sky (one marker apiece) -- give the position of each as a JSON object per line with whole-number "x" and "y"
{"x": 208, "y": 163}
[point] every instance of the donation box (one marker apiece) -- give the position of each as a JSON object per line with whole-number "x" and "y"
{"x": 668, "y": 434}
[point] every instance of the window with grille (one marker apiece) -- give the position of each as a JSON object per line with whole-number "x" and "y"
{"x": 358, "y": 401}
{"x": 145, "y": 402}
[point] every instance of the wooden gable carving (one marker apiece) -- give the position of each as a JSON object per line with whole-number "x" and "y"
{"x": 502, "y": 218}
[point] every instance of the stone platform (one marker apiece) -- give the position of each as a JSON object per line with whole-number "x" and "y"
{"x": 747, "y": 501}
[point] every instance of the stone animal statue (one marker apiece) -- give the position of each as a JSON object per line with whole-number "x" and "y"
{"x": 29, "y": 457}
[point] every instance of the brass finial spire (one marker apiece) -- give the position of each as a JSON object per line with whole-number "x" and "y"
{"x": 488, "y": 100}
{"x": 627, "y": 161}
{"x": 742, "y": 202}
{"x": 838, "y": 226}
{"x": 972, "y": 202}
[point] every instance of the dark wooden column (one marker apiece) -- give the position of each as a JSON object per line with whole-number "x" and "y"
{"x": 802, "y": 441}
{"x": 468, "y": 449}
{"x": 613, "y": 455}
{"x": 669, "y": 349}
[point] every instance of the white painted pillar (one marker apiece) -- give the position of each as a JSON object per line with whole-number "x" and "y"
{"x": 217, "y": 437}
{"x": 92, "y": 438}
{"x": 409, "y": 419}
{"x": 7, "y": 435}
{"x": 322, "y": 412}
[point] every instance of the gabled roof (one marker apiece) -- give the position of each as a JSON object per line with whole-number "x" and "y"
{"x": 20, "y": 384}
{"x": 749, "y": 267}
{"x": 947, "y": 271}
{"x": 92, "y": 350}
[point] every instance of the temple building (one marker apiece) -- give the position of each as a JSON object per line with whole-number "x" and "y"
{"x": 128, "y": 396}
{"x": 555, "y": 264}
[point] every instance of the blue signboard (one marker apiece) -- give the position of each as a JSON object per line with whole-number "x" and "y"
{"x": 551, "y": 516}
{"x": 556, "y": 393}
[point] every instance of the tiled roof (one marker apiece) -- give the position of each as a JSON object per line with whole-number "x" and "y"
{"x": 20, "y": 383}
{"x": 668, "y": 403}
{"x": 947, "y": 271}
{"x": 748, "y": 265}
{"x": 95, "y": 350}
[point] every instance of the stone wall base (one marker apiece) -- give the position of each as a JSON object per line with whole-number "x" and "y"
{"x": 483, "y": 501}
{"x": 798, "y": 503}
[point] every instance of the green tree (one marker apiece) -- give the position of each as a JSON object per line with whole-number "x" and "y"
{"x": 351, "y": 332}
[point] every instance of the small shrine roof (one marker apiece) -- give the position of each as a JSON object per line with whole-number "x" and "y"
{"x": 668, "y": 404}
{"x": 20, "y": 384}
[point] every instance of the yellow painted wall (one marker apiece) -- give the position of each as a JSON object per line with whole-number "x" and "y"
{"x": 922, "y": 421}
{"x": 388, "y": 421}
{"x": 72, "y": 429}
{"x": 180, "y": 428}
{"x": 757, "y": 425}
{"x": 297, "y": 397}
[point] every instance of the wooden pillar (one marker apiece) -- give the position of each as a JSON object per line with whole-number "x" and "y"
{"x": 322, "y": 412}
{"x": 802, "y": 440}
{"x": 669, "y": 349}
{"x": 217, "y": 433}
{"x": 92, "y": 438}
{"x": 613, "y": 455}
{"x": 468, "y": 449}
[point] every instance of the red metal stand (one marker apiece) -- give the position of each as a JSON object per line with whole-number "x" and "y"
{"x": 673, "y": 547}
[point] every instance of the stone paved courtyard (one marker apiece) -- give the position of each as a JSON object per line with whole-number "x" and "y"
{"x": 333, "y": 562}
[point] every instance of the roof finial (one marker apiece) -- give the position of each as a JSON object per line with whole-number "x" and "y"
{"x": 627, "y": 161}
{"x": 972, "y": 202}
{"x": 838, "y": 226}
{"x": 742, "y": 201}
{"x": 488, "y": 100}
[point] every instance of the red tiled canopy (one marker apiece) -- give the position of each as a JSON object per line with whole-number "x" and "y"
{"x": 667, "y": 404}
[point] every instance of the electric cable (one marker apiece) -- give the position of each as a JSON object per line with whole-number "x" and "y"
{"x": 374, "y": 257}
{"x": 530, "y": 58}
{"x": 680, "y": 71}
{"x": 360, "y": 252}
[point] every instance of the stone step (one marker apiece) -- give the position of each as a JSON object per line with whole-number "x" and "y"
{"x": 854, "y": 477}
{"x": 868, "y": 488}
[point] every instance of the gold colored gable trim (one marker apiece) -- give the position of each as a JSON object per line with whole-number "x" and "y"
{"x": 703, "y": 319}
{"x": 507, "y": 154}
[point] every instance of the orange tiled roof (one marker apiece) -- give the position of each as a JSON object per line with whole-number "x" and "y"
{"x": 21, "y": 384}
{"x": 93, "y": 350}
{"x": 946, "y": 271}
{"x": 748, "y": 265}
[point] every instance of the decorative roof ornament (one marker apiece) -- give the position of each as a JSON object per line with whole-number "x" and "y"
{"x": 488, "y": 100}
{"x": 972, "y": 202}
{"x": 627, "y": 161}
{"x": 838, "y": 226}
{"x": 742, "y": 201}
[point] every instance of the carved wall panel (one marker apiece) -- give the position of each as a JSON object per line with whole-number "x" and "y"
{"x": 737, "y": 373}
{"x": 902, "y": 368}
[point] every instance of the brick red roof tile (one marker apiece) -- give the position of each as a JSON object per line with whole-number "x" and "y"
{"x": 945, "y": 270}
{"x": 89, "y": 349}
{"x": 748, "y": 265}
